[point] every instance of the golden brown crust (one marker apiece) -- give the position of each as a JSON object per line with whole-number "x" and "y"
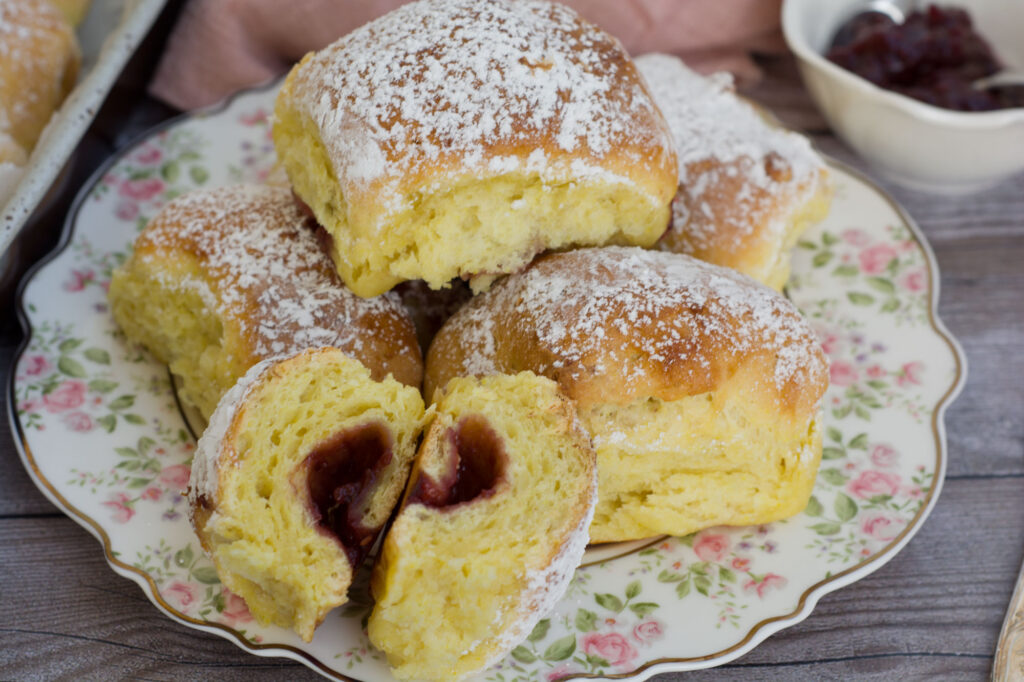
{"x": 274, "y": 288}
{"x": 747, "y": 186}
{"x": 616, "y": 325}
{"x": 483, "y": 87}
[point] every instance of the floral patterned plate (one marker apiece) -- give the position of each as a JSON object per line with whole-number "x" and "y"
{"x": 101, "y": 434}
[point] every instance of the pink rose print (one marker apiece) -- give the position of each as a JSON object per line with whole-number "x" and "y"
{"x": 648, "y": 631}
{"x": 175, "y": 477}
{"x": 142, "y": 189}
{"x": 152, "y": 494}
{"x": 79, "y": 280}
{"x": 121, "y": 503}
{"x": 884, "y": 456}
{"x": 127, "y": 210}
{"x": 35, "y": 364}
{"x": 67, "y": 396}
{"x": 711, "y": 546}
{"x": 842, "y": 373}
{"x": 235, "y": 611}
{"x": 880, "y": 527}
{"x": 855, "y": 237}
{"x": 771, "y": 581}
{"x": 910, "y": 374}
{"x": 78, "y": 421}
{"x": 181, "y": 595}
{"x": 830, "y": 343}
{"x": 914, "y": 280}
{"x": 610, "y": 646}
{"x": 871, "y": 483}
{"x": 148, "y": 154}
{"x": 30, "y": 405}
{"x": 255, "y": 118}
{"x": 876, "y": 372}
{"x": 741, "y": 564}
{"x": 874, "y": 259}
{"x": 561, "y": 671}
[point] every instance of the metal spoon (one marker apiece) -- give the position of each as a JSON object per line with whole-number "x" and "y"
{"x": 1000, "y": 79}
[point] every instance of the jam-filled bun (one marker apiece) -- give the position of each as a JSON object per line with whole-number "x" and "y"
{"x": 458, "y": 138}
{"x": 699, "y": 386}
{"x": 493, "y": 525}
{"x": 747, "y": 188}
{"x": 221, "y": 279}
{"x": 301, "y": 466}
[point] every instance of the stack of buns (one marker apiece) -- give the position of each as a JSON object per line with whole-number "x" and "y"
{"x": 459, "y": 139}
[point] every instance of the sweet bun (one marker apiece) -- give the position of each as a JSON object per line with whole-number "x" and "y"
{"x": 492, "y": 527}
{"x": 302, "y": 464}
{"x": 747, "y": 188}
{"x": 699, "y": 386}
{"x": 221, "y": 279}
{"x": 39, "y": 60}
{"x": 458, "y": 138}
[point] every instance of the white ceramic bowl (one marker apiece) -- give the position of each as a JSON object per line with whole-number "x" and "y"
{"x": 912, "y": 143}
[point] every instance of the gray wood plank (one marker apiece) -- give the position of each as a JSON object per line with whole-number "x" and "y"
{"x": 934, "y": 610}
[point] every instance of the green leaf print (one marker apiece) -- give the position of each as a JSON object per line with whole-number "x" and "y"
{"x": 71, "y": 367}
{"x": 561, "y": 649}
{"x": 609, "y": 601}
{"x": 540, "y": 630}
{"x": 845, "y": 507}
{"x": 586, "y": 620}
{"x": 206, "y": 574}
{"x": 97, "y": 355}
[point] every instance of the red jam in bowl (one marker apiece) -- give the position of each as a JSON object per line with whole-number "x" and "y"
{"x": 934, "y": 57}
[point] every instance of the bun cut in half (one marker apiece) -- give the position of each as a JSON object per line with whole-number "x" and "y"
{"x": 493, "y": 526}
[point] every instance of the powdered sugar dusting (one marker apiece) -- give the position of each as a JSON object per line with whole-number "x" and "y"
{"x": 474, "y": 81}
{"x": 262, "y": 267}
{"x": 721, "y": 139}
{"x": 595, "y": 311}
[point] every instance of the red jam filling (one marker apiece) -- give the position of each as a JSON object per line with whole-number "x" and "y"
{"x": 341, "y": 473}
{"x": 933, "y": 56}
{"x": 476, "y": 468}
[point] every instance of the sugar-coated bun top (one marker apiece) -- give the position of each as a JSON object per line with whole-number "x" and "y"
{"x": 257, "y": 262}
{"x": 735, "y": 166}
{"x": 481, "y": 88}
{"x": 617, "y": 324}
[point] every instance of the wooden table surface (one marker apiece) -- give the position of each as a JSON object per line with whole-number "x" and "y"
{"x": 933, "y": 612}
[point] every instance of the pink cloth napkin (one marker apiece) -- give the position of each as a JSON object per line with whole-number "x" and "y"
{"x": 220, "y": 46}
